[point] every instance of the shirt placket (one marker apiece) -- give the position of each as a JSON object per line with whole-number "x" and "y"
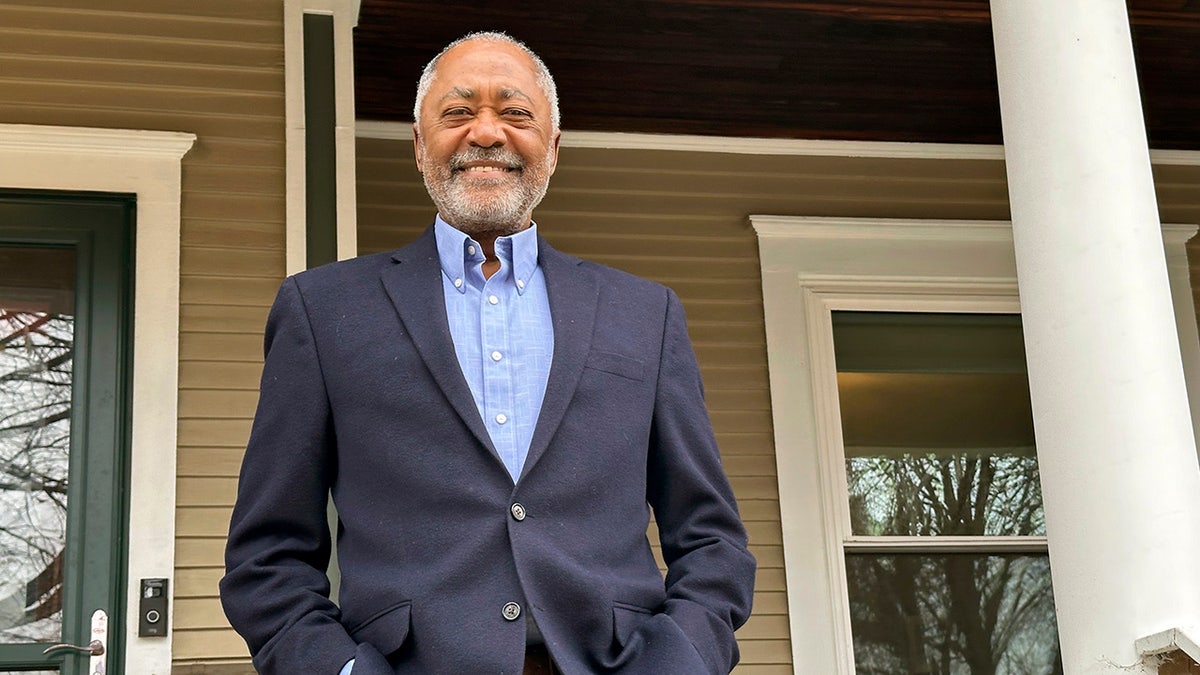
{"x": 499, "y": 398}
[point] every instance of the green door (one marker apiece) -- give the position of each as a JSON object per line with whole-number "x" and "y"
{"x": 65, "y": 352}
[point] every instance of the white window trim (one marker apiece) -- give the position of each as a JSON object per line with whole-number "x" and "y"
{"x": 812, "y": 265}
{"x": 146, "y": 163}
{"x": 345, "y": 18}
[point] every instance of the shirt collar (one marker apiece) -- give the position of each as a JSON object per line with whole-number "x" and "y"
{"x": 519, "y": 252}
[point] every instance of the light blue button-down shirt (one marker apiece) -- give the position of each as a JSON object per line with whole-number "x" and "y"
{"x": 502, "y": 333}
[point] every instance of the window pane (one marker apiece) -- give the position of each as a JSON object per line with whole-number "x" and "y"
{"x": 952, "y": 614}
{"x": 957, "y": 493}
{"x": 936, "y": 424}
{"x": 36, "y": 349}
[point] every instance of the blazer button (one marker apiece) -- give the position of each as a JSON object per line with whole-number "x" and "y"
{"x": 511, "y": 611}
{"x": 517, "y": 511}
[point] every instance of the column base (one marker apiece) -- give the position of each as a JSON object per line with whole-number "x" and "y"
{"x": 1174, "y": 651}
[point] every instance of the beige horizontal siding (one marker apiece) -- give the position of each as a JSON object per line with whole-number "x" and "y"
{"x": 682, "y": 219}
{"x": 213, "y": 68}
{"x": 681, "y": 227}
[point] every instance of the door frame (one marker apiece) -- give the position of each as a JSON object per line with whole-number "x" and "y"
{"x": 98, "y": 228}
{"x": 148, "y": 165}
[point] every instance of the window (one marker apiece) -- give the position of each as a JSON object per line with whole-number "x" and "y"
{"x": 872, "y": 277}
{"x": 944, "y": 535}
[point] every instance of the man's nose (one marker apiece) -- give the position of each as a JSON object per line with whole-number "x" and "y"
{"x": 487, "y": 131}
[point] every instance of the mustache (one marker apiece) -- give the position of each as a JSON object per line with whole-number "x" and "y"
{"x": 459, "y": 160}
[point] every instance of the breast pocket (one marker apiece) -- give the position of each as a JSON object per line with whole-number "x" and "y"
{"x": 616, "y": 364}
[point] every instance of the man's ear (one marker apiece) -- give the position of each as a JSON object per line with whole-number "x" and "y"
{"x": 554, "y": 150}
{"x": 417, "y": 147}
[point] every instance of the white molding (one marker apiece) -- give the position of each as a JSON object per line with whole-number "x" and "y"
{"x": 834, "y": 509}
{"x": 779, "y": 146}
{"x": 86, "y": 141}
{"x": 1168, "y": 641}
{"x": 146, "y": 163}
{"x": 296, "y": 213}
{"x": 1176, "y": 235}
{"x": 344, "y": 21}
{"x": 813, "y": 265}
{"x": 808, "y": 529}
{"x": 402, "y": 131}
{"x": 843, "y": 229}
{"x": 345, "y": 17}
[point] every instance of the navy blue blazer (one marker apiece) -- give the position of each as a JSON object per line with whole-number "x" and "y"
{"x": 362, "y": 395}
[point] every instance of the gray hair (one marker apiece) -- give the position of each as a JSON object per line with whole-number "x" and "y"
{"x": 545, "y": 80}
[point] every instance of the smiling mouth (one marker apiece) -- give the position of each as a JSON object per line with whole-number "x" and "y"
{"x": 486, "y": 169}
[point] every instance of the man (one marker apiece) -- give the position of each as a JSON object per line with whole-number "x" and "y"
{"x": 495, "y": 420}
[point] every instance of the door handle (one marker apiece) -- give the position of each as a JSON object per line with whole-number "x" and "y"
{"x": 95, "y": 649}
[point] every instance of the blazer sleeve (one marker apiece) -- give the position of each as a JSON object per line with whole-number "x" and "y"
{"x": 710, "y": 571}
{"x": 275, "y": 591}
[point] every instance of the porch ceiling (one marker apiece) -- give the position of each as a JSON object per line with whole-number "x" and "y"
{"x": 888, "y": 70}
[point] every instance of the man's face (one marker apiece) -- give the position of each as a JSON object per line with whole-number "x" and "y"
{"x": 485, "y": 144}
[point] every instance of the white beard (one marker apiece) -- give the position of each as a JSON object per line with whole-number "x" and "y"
{"x": 502, "y": 210}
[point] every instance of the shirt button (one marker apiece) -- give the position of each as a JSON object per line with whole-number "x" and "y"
{"x": 511, "y": 611}
{"x": 458, "y": 283}
{"x": 520, "y": 284}
{"x": 496, "y": 356}
{"x": 470, "y": 250}
{"x": 493, "y": 299}
{"x": 501, "y": 418}
{"x": 517, "y": 510}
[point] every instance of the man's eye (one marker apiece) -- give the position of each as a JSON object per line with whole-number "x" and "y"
{"x": 517, "y": 112}
{"x": 455, "y": 112}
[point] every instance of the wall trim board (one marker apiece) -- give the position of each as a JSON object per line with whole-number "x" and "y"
{"x": 770, "y": 146}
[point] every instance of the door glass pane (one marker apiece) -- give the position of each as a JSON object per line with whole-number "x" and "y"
{"x": 937, "y": 425}
{"x": 37, "y": 289}
{"x": 952, "y": 614}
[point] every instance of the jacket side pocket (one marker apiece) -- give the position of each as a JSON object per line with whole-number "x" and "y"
{"x": 627, "y": 619}
{"x": 387, "y": 630}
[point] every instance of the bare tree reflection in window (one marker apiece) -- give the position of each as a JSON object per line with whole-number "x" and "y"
{"x": 974, "y": 613}
{"x": 36, "y": 349}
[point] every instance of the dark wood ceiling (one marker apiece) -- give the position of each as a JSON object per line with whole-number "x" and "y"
{"x": 919, "y": 70}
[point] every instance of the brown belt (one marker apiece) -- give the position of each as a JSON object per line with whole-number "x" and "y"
{"x": 538, "y": 661}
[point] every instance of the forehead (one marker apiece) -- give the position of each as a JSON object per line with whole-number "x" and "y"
{"x": 483, "y": 66}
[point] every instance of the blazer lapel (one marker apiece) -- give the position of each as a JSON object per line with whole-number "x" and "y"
{"x": 413, "y": 282}
{"x": 573, "y": 295}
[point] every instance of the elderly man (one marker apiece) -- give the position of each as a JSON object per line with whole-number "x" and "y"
{"x": 495, "y": 421}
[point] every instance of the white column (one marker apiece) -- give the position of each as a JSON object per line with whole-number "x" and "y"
{"x": 1118, "y": 459}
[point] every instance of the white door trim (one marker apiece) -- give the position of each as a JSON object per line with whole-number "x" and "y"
{"x": 145, "y": 163}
